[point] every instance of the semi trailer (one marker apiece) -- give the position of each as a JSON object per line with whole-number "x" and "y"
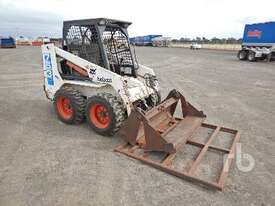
{"x": 144, "y": 40}
{"x": 258, "y": 42}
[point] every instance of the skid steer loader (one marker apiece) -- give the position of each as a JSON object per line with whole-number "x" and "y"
{"x": 96, "y": 77}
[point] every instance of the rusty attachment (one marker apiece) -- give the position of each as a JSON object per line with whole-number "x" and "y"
{"x": 157, "y": 130}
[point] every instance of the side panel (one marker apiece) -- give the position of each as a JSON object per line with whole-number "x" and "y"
{"x": 262, "y": 33}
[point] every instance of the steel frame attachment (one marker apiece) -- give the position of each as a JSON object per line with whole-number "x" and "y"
{"x": 158, "y": 131}
{"x": 166, "y": 164}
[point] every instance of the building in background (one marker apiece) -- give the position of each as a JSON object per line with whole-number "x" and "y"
{"x": 161, "y": 41}
{"x": 23, "y": 41}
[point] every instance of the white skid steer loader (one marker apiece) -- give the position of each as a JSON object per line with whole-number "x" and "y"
{"x": 107, "y": 96}
{"x": 96, "y": 77}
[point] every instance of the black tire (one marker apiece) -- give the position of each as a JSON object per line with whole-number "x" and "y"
{"x": 157, "y": 97}
{"x": 262, "y": 58}
{"x": 242, "y": 55}
{"x": 114, "y": 110}
{"x": 269, "y": 57}
{"x": 77, "y": 104}
{"x": 251, "y": 56}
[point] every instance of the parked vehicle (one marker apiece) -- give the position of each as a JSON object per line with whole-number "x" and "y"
{"x": 7, "y": 42}
{"x": 44, "y": 39}
{"x": 195, "y": 45}
{"x": 143, "y": 40}
{"x": 258, "y": 42}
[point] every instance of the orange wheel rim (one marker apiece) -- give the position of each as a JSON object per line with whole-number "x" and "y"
{"x": 64, "y": 107}
{"x": 99, "y": 116}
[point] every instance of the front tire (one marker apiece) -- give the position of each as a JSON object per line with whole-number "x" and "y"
{"x": 155, "y": 99}
{"x": 242, "y": 55}
{"x": 69, "y": 105}
{"x": 105, "y": 113}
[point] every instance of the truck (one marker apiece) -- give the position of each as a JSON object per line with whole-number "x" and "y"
{"x": 144, "y": 40}
{"x": 7, "y": 42}
{"x": 258, "y": 42}
{"x": 195, "y": 45}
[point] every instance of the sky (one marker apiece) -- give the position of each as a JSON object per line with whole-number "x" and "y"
{"x": 171, "y": 18}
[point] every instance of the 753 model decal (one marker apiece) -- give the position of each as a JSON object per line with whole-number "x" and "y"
{"x": 48, "y": 66}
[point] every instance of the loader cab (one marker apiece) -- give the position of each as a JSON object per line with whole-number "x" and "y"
{"x": 101, "y": 41}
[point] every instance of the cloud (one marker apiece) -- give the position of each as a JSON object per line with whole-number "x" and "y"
{"x": 177, "y": 18}
{"x": 29, "y": 23}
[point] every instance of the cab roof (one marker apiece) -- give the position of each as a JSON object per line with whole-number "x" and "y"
{"x": 98, "y": 21}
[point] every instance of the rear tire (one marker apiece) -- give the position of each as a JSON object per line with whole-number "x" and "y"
{"x": 105, "y": 113}
{"x": 69, "y": 105}
{"x": 251, "y": 56}
{"x": 242, "y": 55}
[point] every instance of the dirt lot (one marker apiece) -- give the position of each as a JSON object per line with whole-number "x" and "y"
{"x": 45, "y": 162}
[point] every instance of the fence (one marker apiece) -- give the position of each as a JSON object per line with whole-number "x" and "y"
{"x": 230, "y": 47}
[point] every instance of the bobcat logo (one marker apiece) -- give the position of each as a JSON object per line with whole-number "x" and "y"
{"x": 92, "y": 71}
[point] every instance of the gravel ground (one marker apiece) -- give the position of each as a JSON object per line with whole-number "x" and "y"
{"x": 45, "y": 162}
